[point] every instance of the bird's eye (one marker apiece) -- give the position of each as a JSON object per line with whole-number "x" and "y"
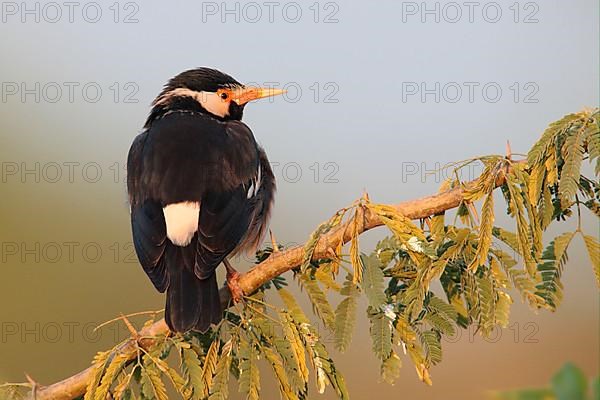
{"x": 224, "y": 95}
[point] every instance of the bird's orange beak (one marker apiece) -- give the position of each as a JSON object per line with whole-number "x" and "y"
{"x": 243, "y": 95}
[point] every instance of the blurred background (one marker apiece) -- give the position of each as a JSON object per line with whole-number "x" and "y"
{"x": 380, "y": 96}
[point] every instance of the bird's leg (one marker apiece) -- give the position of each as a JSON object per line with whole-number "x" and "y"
{"x": 233, "y": 282}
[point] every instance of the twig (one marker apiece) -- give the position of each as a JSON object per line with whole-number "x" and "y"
{"x": 121, "y": 317}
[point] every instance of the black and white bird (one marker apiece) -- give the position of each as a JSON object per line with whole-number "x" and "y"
{"x": 200, "y": 189}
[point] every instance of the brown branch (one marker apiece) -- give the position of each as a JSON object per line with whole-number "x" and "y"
{"x": 278, "y": 263}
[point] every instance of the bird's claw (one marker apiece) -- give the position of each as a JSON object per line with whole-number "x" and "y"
{"x": 233, "y": 283}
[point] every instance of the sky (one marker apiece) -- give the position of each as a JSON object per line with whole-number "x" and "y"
{"x": 380, "y": 96}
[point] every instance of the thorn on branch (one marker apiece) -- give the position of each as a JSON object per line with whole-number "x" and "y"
{"x": 134, "y": 333}
{"x": 273, "y": 242}
{"x": 508, "y": 151}
{"x": 365, "y": 196}
{"x": 34, "y": 385}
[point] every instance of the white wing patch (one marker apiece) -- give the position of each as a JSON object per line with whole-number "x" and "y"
{"x": 253, "y": 189}
{"x": 182, "y": 221}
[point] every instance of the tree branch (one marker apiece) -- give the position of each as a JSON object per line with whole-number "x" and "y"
{"x": 275, "y": 265}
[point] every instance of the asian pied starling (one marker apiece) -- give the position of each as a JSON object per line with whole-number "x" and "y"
{"x": 200, "y": 190}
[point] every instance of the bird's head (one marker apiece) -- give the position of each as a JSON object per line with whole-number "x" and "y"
{"x": 208, "y": 91}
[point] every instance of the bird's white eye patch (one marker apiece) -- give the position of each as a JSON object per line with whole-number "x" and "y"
{"x": 214, "y": 103}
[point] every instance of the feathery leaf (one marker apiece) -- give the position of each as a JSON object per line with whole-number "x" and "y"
{"x": 381, "y": 334}
{"x": 101, "y": 360}
{"x": 373, "y": 281}
{"x": 249, "y": 381}
{"x": 354, "y": 251}
{"x": 311, "y": 244}
{"x": 572, "y": 152}
{"x": 219, "y": 389}
{"x": 485, "y": 233}
{"x": 318, "y": 299}
{"x": 390, "y": 368}
{"x": 116, "y": 366}
{"x": 593, "y": 247}
{"x": 345, "y": 315}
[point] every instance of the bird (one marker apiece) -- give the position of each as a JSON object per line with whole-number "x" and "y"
{"x": 200, "y": 190}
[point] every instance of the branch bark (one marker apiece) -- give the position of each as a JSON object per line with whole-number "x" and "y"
{"x": 275, "y": 265}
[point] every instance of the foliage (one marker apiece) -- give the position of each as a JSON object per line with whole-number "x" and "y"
{"x": 479, "y": 266}
{"x": 567, "y": 384}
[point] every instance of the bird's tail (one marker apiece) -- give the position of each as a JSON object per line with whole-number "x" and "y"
{"x": 192, "y": 303}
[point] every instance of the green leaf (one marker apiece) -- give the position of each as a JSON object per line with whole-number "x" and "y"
{"x": 440, "y": 323}
{"x": 569, "y": 383}
{"x": 487, "y": 304}
{"x": 517, "y": 204}
{"x": 282, "y": 378}
{"x": 293, "y": 353}
{"x": 209, "y": 366}
{"x": 441, "y": 307}
{"x": 345, "y": 315}
{"x": 373, "y": 281}
{"x": 413, "y": 239}
{"x": 519, "y": 278}
{"x": 551, "y": 267}
{"x": 220, "y": 384}
{"x": 432, "y": 346}
{"x": 525, "y": 394}
{"x": 324, "y": 274}
{"x": 592, "y": 136}
{"x": 381, "y": 334}
{"x": 292, "y": 306}
{"x": 508, "y": 237}
{"x": 116, "y": 366}
{"x": 593, "y": 247}
{"x": 192, "y": 372}
{"x": 354, "y": 249}
{"x": 155, "y": 357}
{"x": 318, "y": 299}
{"x": 596, "y": 388}
{"x": 572, "y": 151}
{"x": 101, "y": 361}
{"x": 327, "y": 373}
{"x": 311, "y": 244}
{"x": 152, "y": 384}
{"x": 485, "y": 232}
{"x": 249, "y": 381}
{"x": 538, "y": 152}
